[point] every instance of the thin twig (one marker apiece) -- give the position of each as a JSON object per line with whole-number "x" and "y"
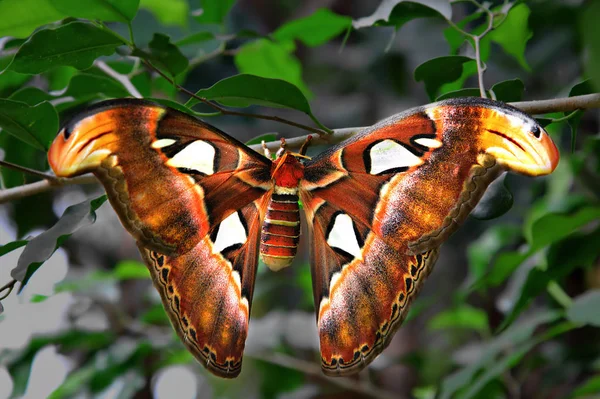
{"x": 566, "y": 104}
{"x": 123, "y": 79}
{"x": 225, "y": 111}
{"x": 53, "y": 179}
{"x": 306, "y": 367}
{"x": 26, "y": 190}
{"x": 9, "y": 286}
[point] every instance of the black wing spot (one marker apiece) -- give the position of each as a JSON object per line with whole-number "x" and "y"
{"x": 536, "y": 131}
{"x": 408, "y": 281}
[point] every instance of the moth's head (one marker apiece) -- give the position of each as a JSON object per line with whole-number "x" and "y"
{"x": 518, "y": 142}
{"x": 287, "y": 170}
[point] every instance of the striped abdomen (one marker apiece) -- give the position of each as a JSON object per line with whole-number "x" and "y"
{"x": 280, "y": 231}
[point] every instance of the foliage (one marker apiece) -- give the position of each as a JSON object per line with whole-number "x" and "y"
{"x": 523, "y": 322}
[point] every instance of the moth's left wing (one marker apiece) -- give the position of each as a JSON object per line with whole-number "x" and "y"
{"x": 207, "y": 291}
{"x": 194, "y": 199}
{"x": 379, "y": 205}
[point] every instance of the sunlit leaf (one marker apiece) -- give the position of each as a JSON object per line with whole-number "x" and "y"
{"x": 214, "y": 11}
{"x": 76, "y": 44}
{"x": 315, "y": 29}
{"x": 172, "y": 12}
{"x": 271, "y": 60}
{"x": 514, "y": 33}
{"x": 41, "y": 247}
{"x": 464, "y": 317}
{"x": 35, "y": 125}
{"x": 103, "y": 10}
{"x": 398, "y": 12}
{"x": 129, "y": 269}
{"x": 21, "y": 17}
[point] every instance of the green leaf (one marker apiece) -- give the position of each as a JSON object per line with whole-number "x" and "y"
{"x": 464, "y": 317}
{"x": 74, "y": 382}
{"x": 172, "y": 12}
{"x": 129, "y": 270}
{"x": 196, "y": 38}
{"x": 87, "y": 86}
{"x": 481, "y": 252}
{"x": 271, "y": 60}
{"x": 514, "y": 33}
{"x": 514, "y": 336}
{"x": 41, "y": 247}
{"x": 31, "y": 96}
{"x": 398, "y": 12}
{"x": 562, "y": 258}
{"x": 21, "y": 17}
{"x": 103, "y": 10}
{"x": 165, "y": 55}
{"x": 35, "y": 125}
{"x": 496, "y": 201}
{"x": 509, "y": 90}
{"x": 554, "y": 226}
{"x": 245, "y": 90}
{"x": 11, "y": 246}
{"x": 76, "y": 44}
{"x": 579, "y": 89}
{"x": 547, "y": 229}
{"x": 591, "y": 32}
{"x": 214, "y": 11}
{"x": 435, "y": 72}
{"x": 588, "y": 388}
{"x": 315, "y": 29}
{"x": 584, "y": 309}
{"x": 156, "y": 315}
{"x": 267, "y": 137}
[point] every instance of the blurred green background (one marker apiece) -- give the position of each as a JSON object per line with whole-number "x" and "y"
{"x": 511, "y": 308}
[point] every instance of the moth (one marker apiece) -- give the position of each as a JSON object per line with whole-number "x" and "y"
{"x": 203, "y": 208}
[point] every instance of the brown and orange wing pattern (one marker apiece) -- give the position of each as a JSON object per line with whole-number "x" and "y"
{"x": 194, "y": 199}
{"x": 165, "y": 173}
{"x": 380, "y": 204}
{"x": 207, "y": 291}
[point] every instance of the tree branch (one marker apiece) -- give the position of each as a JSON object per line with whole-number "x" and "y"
{"x": 123, "y": 79}
{"x": 11, "y": 194}
{"x": 532, "y": 107}
{"x": 303, "y": 366}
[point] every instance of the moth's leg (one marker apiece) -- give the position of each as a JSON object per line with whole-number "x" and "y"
{"x": 281, "y": 149}
{"x": 266, "y": 151}
{"x": 305, "y": 145}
